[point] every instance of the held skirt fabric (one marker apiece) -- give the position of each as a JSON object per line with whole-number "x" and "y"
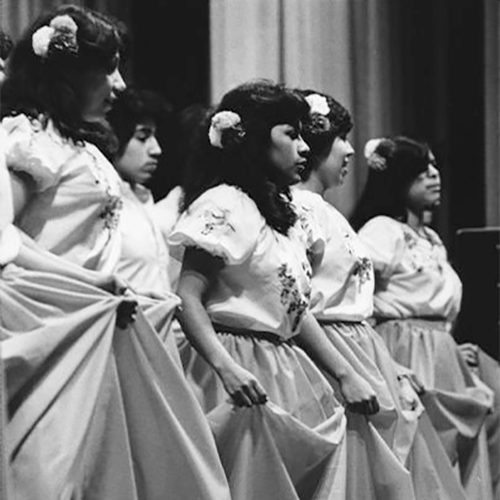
{"x": 488, "y": 370}
{"x": 456, "y": 401}
{"x": 402, "y": 421}
{"x": 95, "y": 412}
{"x": 298, "y": 444}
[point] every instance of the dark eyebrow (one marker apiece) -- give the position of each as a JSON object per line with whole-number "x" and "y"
{"x": 145, "y": 128}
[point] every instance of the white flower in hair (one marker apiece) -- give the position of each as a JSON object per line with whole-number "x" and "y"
{"x": 41, "y": 39}
{"x": 62, "y": 29}
{"x": 221, "y": 121}
{"x": 374, "y": 160}
{"x": 64, "y": 22}
{"x": 318, "y": 104}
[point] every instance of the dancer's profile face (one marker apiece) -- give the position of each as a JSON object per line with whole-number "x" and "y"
{"x": 99, "y": 89}
{"x": 425, "y": 190}
{"x": 334, "y": 167}
{"x": 287, "y": 153}
{"x": 140, "y": 158}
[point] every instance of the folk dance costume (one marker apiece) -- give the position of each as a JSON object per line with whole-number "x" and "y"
{"x": 256, "y": 304}
{"x": 342, "y": 301}
{"x": 89, "y": 403}
{"x": 144, "y": 260}
{"x": 417, "y": 297}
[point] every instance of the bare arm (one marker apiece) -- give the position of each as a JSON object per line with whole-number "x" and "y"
{"x": 198, "y": 268}
{"x": 358, "y": 394}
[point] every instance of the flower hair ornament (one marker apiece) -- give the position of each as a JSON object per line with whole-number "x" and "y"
{"x": 226, "y": 129}
{"x": 58, "y": 36}
{"x": 319, "y": 111}
{"x": 374, "y": 160}
{"x": 318, "y": 104}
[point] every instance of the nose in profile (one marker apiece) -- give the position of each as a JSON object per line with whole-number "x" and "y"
{"x": 433, "y": 172}
{"x": 117, "y": 81}
{"x": 154, "y": 147}
{"x": 304, "y": 148}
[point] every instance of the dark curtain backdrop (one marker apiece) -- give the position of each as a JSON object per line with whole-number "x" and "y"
{"x": 439, "y": 46}
{"x": 430, "y": 55}
{"x": 171, "y": 56}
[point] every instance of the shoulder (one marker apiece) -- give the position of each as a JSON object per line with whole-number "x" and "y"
{"x": 223, "y": 221}
{"x": 305, "y": 196}
{"x": 308, "y": 204}
{"x": 383, "y": 234}
{"x": 35, "y": 147}
{"x": 227, "y": 199}
{"x": 383, "y": 224}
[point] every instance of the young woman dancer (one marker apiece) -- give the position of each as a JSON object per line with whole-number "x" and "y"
{"x": 87, "y": 403}
{"x": 417, "y": 296}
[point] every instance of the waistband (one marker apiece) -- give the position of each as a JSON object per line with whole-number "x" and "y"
{"x": 252, "y": 334}
{"x": 435, "y": 319}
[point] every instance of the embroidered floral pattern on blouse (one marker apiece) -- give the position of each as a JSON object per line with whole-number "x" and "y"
{"x": 217, "y": 220}
{"x": 363, "y": 270}
{"x": 111, "y": 212}
{"x": 304, "y": 217}
{"x": 423, "y": 257}
{"x": 290, "y": 296}
{"x": 410, "y": 240}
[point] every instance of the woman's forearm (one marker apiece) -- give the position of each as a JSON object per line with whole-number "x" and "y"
{"x": 197, "y": 326}
{"x": 313, "y": 340}
{"x": 241, "y": 385}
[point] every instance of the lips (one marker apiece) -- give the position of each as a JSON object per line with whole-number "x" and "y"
{"x": 150, "y": 167}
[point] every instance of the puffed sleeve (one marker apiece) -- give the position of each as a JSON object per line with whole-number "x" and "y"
{"x": 223, "y": 221}
{"x": 33, "y": 150}
{"x": 384, "y": 241}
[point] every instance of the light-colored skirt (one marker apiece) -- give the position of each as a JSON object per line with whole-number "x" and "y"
{"x": 95, "y": 412}
{"x": 456, "y": 400}
{"x": 402, "y": 420}
{"x": 297, "y": 445}
{"x": 488, "y": 370}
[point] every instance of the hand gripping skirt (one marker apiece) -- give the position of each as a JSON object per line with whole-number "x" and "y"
{"x": 297, "y": 445}
{"x": 95, "y": 412}
{"x": 456, "y": 400}
{"x": 402, "y": 421}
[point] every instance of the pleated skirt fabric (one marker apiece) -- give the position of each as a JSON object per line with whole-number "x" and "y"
{"x": 456, "y": 400}
{"x": 96, "y": 412}
{"x": 402, "y": 420}
{"x": 299, "y": 444}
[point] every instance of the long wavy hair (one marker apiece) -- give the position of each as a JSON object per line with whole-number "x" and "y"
{"x": 244, "y": 161}
{"x": 320, "y": 131}
{"x": 51, "y": 86}
{"x": 386, "y": 188}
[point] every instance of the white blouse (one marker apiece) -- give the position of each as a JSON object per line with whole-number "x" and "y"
{"x": 413, "y": 277}
{"x": 166, "y": 213}
{"x": 10, "y": 242}
{"x": 343, "y": 282}
{"x": 265, "y": 283}
{"x": 74, "y": 210}
{"x": 144, "y": 256}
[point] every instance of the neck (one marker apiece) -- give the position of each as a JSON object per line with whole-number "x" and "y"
{"x": 415, "y": 220}
{"x": 313, "y": 184}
